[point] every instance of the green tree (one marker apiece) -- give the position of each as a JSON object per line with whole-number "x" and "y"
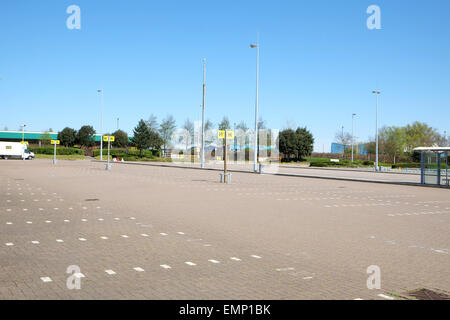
{"x": 297, "y": 143}
{"x": 45, "y": 138}
{"x": 152, "y": 123}
{"x": 120, "y": 139}
{"x": 243, "y": 126}
{"x": 392, "y": 141}
{"x": 305, "y": 142}
{"x": 166, "y": 130}
{"x": 85, "y": 136}
{"x": 67, "y": 137}
{"x": 224, "y": 124}
{"x": 420, "y": 134}
{"x": 142, "y": 136}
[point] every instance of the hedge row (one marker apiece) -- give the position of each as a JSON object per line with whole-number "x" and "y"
{"x": 126, "y": 153}
{"x": 59, "y": 150}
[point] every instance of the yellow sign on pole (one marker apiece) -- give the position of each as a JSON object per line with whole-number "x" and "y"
{"x": 230, "y": 134}
{"x": 55, "y": 142}
{"x": 221, "y": 134}
{"x": 108, "y": 138}
{"x": 111, "y": 138}
{"x": 24, "y": 142}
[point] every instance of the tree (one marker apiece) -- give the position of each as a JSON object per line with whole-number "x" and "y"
{"x": 188, "y": 132}
{"x": 224, "y": 124}
{"x": 152, "y": 123}
{"x": 420, "y": 134}
{"x": 242, "y": 125}
{"x": 45, "y": 138}
{"x": 67, "y": 137}
{"x": 142, "y": 136}
{"x": 85, "y": 136}
{"x": 298, "y": 143}
{"x": 208, "y": 125}
{"x": 392, "y": 141}
{"x": 166, "y": 130}
{"x": 120, "y": 139}
{"x": 305, "y": 142}
{"x": 261, "y": 124}
{"x": 343, "y": 138}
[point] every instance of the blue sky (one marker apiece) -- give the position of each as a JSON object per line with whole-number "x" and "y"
{"x": 319, "y": 63}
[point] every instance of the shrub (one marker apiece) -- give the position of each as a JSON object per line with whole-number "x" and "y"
{"x": 368, "y": 163}
{"x": 59, "y": 150}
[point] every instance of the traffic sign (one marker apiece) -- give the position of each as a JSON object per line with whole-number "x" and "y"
{"x": 221, "y": 134}
{"x": 110, "y": 138}
{"x": 24, "y": 142}
{"x": 230, "y": 134}
{"x": 55, "y": 142}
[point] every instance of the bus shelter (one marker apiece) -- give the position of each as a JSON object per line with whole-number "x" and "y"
{"x": 434, "y": 162}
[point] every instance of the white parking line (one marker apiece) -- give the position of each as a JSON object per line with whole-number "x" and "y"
{"x": 190, "y": 263}
{"x": 255, "y": 256}
{"x": 163, "y": 234}
{"x": 124, "y": 236}
{"x": 165, "y": 266}
{"x": 213, "y": 261}
{"x": 104, "y": 238}
{"x": 110, "y": 272}
{"x": 59, "y": 240}
{"x": 46, "y": 279}
{"x": 82, "y": 239}
{"x": 235, "y": 259}
{"x": 35, "y": 242}
{"x": 144, "y": 235}
{"x": 139, "y": 269}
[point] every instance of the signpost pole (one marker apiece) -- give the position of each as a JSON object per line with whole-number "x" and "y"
{"x": 54, "y": 153}
{"x": 108, "y": 165}
{"x": 225, "y": 177}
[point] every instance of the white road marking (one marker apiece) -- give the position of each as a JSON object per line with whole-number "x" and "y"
{"x": 46, "y": 279}
{"x": 66, "y": 220}
{"x": 29, "y": 222}
{"x": 35, "y": 242}
{"x": 139, "y": 269}
{"x": 144, "y": 235}
{"x": 163, "y": 234}
{"x": 285, "y": 269}
{"x": 255, "y": 256}
{"x": 110, "y": 272}
{"x": 104, "y": 238}
{"x": 82, "y": 239}
{"x": 117, "y": 219}
{"x": 9, "y": 223}
{"x": 182, "y": 233}
{"x": 124, "y": 236}
{"x": 165, "y": 266}
{"x": 213, "y": 261}
{"x": 9, "y": 244}
{"x": 59, "y": 240}
{"x": 307, "y": 278}
{"x": 84, "y": 220}
{"x": 190, "y": 263}
{"x": 235, "y": 259}
{"x": 48, "y": 221}
{"x": 100, "y": 219}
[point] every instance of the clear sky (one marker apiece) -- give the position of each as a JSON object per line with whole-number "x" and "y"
{"x": 319, "y": 63}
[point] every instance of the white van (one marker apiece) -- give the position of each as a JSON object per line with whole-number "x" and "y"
{"x": 15, "y": 150}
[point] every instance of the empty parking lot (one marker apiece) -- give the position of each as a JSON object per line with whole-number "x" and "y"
{"x": 147, "y": 232}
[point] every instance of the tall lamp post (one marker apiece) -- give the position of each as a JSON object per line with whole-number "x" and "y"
{"x": 255, "y": 167}
{"x": 353, "y": 132}
{"x": 23, "y": 133}
{"x": 203, "y": 113}
{"x": 377, "y": 93}
{"x": 101, "y": 123}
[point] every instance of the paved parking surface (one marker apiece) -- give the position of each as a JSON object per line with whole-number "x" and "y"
{"x": 146, "y": 232}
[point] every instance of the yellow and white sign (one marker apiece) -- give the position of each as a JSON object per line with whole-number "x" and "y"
{"x": 110, "y": 138}
{"x": 55, "y": 142}
{"x": 24, "y": 142}
{"x": 230, "y": 134}
{"x": 221, "y": 134}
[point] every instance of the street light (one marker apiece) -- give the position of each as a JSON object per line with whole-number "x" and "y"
{"x": 377, "y": 93}
{"x": 101, "y": 123}
{"x": 203, "y": 113}
{"x": 23, "y": 133}
{"x": 353, "y": 139}
{"x": 255, "y": 167}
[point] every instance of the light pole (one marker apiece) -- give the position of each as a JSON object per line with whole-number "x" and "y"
{"x": 101, "y": 123}
{"x": 377, "y": 93}
{"x": 353, "y": 132}
{"x": 23, "y": 133}
{"x": 203, "y": 113}
{"x": 117, "y": 123}
{"x": 255, "y": 167}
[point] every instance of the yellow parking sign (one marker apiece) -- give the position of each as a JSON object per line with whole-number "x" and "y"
{"x": 55, "y": 142}
{"x": 230, "y": 134}
{"x": 221, "y": 134}
{"x": 108, "y": 138}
